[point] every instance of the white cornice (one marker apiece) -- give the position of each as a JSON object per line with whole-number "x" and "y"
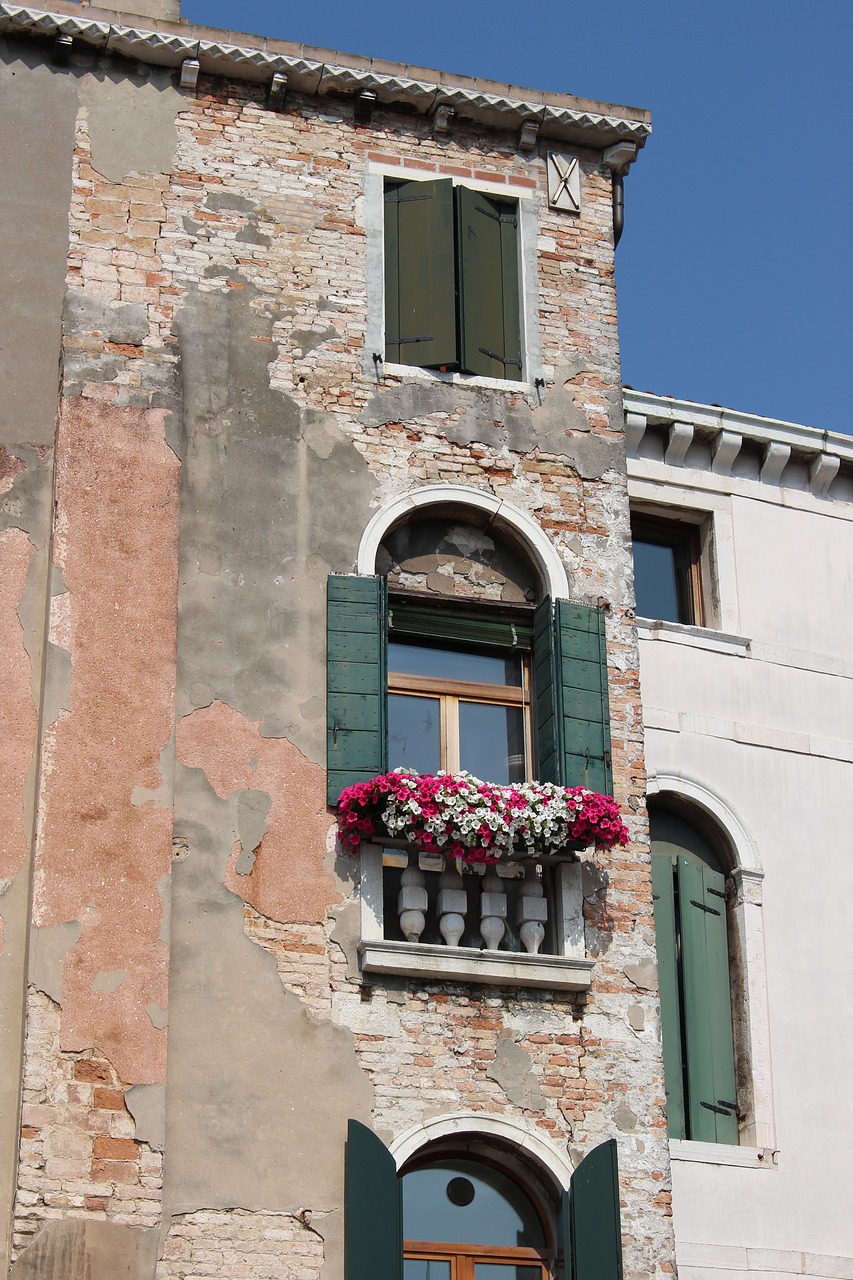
{"x": 559, "y": 116}
{"x": 826, "y": 453}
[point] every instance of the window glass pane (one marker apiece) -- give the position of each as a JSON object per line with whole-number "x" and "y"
{"x": 491, "y": 741}
{"x": 468, "y": 1203}
{"x": 505, "y": 1271}
{"x": 428, "y": 1269}
{"x": 453, "y": 664}
{"x": 413, "y": 733}
{"x": 656, "y": 581}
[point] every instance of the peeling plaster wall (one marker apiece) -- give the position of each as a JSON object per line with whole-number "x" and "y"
{"x": 220, "y": 451}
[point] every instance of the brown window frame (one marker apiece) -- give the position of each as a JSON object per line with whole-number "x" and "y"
{"x": 684, "y": 541}
{"x": 451, "y": 693}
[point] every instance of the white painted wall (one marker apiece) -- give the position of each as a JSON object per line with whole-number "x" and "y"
{"x": 767, "y": 726}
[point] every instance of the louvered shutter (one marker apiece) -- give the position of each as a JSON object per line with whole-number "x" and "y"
{"x": 357, "y": 683}
{"x": 711, "y": 1097}
{"x": 487, "y": 248}
{"x": 420, "y": 286}
{"x": 663, "y": 891}
{"x": 592, "y": 1227}
{"x": 582, "y": 701}
{"x": 373, "y": 1226}
{"x": 545, "y": 695}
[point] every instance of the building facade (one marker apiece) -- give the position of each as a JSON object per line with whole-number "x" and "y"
{"x": 314, "y": 463}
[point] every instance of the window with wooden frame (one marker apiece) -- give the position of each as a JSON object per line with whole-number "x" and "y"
{"x": 452, "y": 1216}
{"x": 667, "y": 569}
{"x": 543, "y": 708}
{"x": 452, "y": 294}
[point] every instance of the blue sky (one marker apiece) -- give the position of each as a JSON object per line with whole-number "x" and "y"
{"x": 734, "y": 272}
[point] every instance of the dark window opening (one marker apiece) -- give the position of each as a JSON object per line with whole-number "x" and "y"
{"x": 667, "y": 581}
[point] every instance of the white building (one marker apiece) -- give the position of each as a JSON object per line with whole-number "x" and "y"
{"x": 748, "y": 701}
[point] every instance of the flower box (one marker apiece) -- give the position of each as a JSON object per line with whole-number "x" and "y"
{"x": 460, "y": 816}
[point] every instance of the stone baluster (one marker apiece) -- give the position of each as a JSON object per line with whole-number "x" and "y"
{"x": 412, "y": 901}
{"x": 452, "y": 904}
{"x": 492, "y": 910}
{"x": 532, "y": 912}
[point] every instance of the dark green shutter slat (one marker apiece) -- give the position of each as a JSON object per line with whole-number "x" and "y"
{"x": 545, "y": 695}
{"x": 373, "y": 1227}
{"x": 585, "y": 719}
{"x": 707, "y": 1004}
{"x": 459, "y": 626}
{"x": 420, "y": 287}
{"x": 663, "y": 889}
{"x": 593, "y": 1230}
{"x": 487, "y": 245}
{"x": 356, "y": 681}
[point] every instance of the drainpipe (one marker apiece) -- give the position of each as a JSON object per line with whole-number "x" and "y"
{"x": 618, "y": 160}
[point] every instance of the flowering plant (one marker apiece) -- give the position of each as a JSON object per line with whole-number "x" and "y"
{"x": 477, "y": 821}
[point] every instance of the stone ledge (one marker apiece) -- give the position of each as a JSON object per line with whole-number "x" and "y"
{"x": 493, "y": 968}
{"x": 719, "y": 1153}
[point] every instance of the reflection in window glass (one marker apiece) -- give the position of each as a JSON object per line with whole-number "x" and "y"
{"x": 427, "y": 1269}
{"x": 491, "y": 741}
{"x": 413, "y": 733}
{"x": 498, "y": 1213}
{"x": 453, "y": 664}
{"x": 656, "y": 582}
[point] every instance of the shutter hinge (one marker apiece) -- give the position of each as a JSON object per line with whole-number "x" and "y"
{"x": 424, "y": 337}
{"x": 608, "y": 758}
{"x": 393, "y": 198}
{"x": 503, "y": 359}
{"x": 725, "y": 1110}
{"x": 498, "y": 217}
{"x": 704, "y": 907}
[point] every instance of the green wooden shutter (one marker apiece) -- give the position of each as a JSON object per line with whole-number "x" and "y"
{"x": 545, "y": 695}
{"x": 357, "y": 682}
{"x": 373, "y": 1228}
{"x": 711, "y": 1097}
{"x": 592, "y": 1227}
{"x": 582, "y": 696}
{"x": 420, "y": 284}
{"x": 487, "y": 248}
{"x": 663, "y": 891}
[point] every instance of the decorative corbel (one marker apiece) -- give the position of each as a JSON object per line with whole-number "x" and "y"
{"x": 278, "y": 88}
{"x": 444, "y": 113}
{"x": 528, "y": 136}
{"x": 363, "y": 106}
{"x": 189, "y": 73}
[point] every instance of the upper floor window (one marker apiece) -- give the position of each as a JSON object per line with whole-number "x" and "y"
{"x": 452, "y": 296}
{"x": 667, "y": 578}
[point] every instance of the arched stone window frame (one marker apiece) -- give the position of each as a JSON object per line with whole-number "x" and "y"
{"x": 750, "y": 1007}
{"x": 505, "y": 517}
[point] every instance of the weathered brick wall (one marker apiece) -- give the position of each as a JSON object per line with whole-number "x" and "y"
{"x": 217, "y": 312}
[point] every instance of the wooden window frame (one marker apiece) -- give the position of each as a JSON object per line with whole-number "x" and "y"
{"x": 684, "y": 541}
{"x": 451, "y": 693}
{"x": 463, "y": 1258}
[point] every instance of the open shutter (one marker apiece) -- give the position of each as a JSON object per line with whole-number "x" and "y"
{"x": 582, "y": 698}
{"x": 545, "y": 695}
{"x": 420, "y": 285}
{"x": 592, "y": 1228}
{"x": 374, "y": 1228}
{"x": 663, "y": 892}
{"x": 711, "y": 1098}
{"x": 356, "y": 681}
{"x": 487, "y": 247}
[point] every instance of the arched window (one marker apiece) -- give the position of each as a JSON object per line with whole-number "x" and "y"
{"x": 456, "y": 650}
{"x": 689, "y": 869}
{"x": 465, "y": 1219}
{"x": 472, "y": 1207}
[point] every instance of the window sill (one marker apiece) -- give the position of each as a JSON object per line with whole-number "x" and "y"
{"x": 495, "y": 968}
{"x": 694, "y": 637}
{"x": 413, "y": 371}
{"x": 682, "y": 1151}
